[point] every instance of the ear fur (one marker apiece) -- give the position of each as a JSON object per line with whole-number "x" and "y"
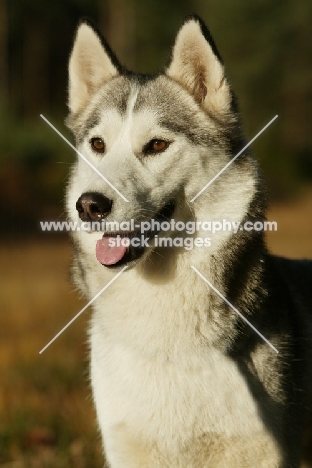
{"x": 197, "y": 66}
{"x": 91, "y": 64}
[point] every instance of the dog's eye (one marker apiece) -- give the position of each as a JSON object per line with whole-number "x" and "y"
{"x": 155, "y": 146}
{"x": 98, "y": 145}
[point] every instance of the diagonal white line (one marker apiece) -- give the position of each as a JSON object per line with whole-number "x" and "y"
{"x": 84, "y": 308}
{"x": 84, "y": 158}
{"x": 235, "y": 310}
{"x": 232, "y": 160}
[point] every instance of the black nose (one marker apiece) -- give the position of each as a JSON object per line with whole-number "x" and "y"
{"x": 93, "y": 206}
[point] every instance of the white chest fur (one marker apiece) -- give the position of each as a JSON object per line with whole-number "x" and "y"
{"x": 153, "y": 373}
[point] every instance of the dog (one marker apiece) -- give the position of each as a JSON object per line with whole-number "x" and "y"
{"x": 180, "y": 379}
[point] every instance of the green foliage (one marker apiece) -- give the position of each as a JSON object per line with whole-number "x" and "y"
{"x": 34, "y": 166}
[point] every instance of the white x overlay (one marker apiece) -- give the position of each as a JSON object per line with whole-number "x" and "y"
{"x": 123, "y": 269}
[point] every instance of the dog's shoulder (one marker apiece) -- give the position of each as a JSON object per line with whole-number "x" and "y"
{"x": 290, "y": 288}
{"x": 295, "y": 276}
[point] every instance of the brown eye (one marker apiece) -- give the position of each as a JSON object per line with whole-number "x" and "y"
{"x": 98, "y": 145}
{"x": 156, "y": 146}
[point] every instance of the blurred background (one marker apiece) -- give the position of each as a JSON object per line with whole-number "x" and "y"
{"x": 46, "y": 414}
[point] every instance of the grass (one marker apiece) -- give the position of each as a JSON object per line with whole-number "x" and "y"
{"x": 46, "y": 412}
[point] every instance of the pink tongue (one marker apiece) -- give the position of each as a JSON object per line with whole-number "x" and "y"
{"x": 109, "y": 254}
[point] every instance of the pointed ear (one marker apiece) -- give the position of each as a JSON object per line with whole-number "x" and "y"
{"x": 197, "y": 66}
{"x": 91, "y": 64}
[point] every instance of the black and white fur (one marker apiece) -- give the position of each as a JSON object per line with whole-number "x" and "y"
{"x": 179, "y": 380}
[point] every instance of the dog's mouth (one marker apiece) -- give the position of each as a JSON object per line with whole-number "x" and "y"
{"x": 118, "y": 249}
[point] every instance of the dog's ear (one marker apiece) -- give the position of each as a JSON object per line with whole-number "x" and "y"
{"x": 91, "y": 64}
{"x": 197, "y": 66}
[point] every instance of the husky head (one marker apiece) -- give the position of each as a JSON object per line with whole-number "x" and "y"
{"x": 157, "y": 140}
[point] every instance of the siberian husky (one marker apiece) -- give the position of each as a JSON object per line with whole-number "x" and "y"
{"x": 179, "y": 379}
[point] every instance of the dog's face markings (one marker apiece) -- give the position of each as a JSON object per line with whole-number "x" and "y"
{"x": 195, "y": 66}
{"x": 149, "y": 125}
